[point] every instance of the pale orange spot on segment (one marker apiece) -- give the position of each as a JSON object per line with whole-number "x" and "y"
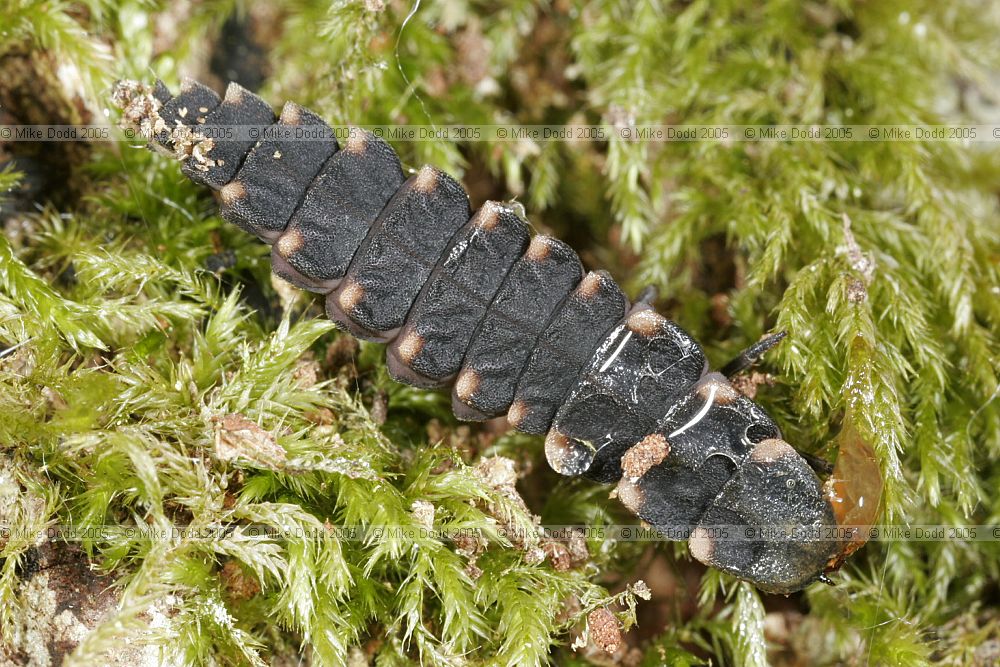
{"x": 646, "y": 323}
{"x": 426, "y": 179}
{"x": 467, "y": 385}
{"x": 234, "y": 93}
{"x": 701, "y": 545}
{"x": 232, "y": 192}
{"x": 488, "y": 216}
{"x": 770, "y": 450}
{"x": 519, "y": 410}
{"x": 630, "y": 495}
{"x": 725, "y": 393}
{"x": 356, "y": 142}
{"x": 290, "y": 243}
{"x": 350, "y": 296}
{"x": 539, "y": 249}
{"x": 291, "y": 114}
{"x": 410, "y": 346}
{"x": 590, "y": 285}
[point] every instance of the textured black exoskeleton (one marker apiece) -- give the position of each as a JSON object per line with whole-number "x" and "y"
{"x": 513, "y": 323}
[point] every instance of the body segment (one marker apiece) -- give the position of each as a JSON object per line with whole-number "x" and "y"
{"x": 338, "y": 209}
{"x": 534, "y": 288}
{"x": 270, "y": 184}
{"x": 566, "y": 345}
{"x": 398, "y": 254}
{"x": 443, "y": 319}
{"x": 239, "y": 110}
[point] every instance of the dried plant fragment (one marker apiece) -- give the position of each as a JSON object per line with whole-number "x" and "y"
{"x": 239, "y": 439}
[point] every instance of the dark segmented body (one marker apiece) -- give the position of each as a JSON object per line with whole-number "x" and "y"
{"x": 569, "y": 341}
{"x": 398, "y": 255}
{"x": 336, "y": 213}
{"x": 637, "y": 374}
{"x": 624, "y": 394}
{"x": 537, "y": 284}
{"x": 454, "y": 300}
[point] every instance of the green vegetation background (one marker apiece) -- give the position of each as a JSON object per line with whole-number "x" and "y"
{"x": 143, "y": 320}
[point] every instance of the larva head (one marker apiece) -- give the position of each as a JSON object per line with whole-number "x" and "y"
{"x": 771, "y": 524}
{"x": 716, "y": 468}
{"x": 795, "y": 529}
